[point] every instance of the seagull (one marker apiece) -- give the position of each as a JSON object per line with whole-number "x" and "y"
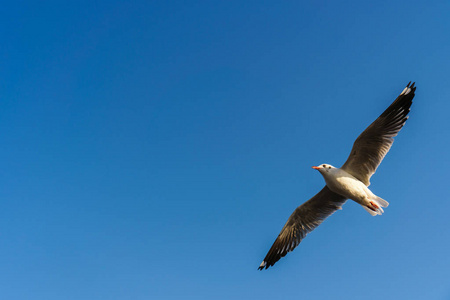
{"x": 350, "y": 181}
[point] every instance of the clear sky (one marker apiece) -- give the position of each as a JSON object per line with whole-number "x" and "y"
{"x": 154, "y": 149}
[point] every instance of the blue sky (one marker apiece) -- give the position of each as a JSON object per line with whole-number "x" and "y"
{"x": 154, "y": 149}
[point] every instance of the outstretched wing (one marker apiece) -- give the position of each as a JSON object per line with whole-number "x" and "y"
{"x": 374, "y": 143}
{"x": 303, "y": 220}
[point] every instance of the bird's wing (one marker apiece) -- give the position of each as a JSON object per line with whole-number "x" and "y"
{"x": 374, "y": 143}
{"x": 303, "y": 220}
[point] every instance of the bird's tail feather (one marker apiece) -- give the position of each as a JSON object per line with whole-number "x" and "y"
{"x": 381, "y": 202}
{"x": 375, "y": 206}
{"x": 370, "y": 211}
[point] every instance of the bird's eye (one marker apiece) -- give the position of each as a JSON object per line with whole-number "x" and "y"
{"x": 323, "y": 166}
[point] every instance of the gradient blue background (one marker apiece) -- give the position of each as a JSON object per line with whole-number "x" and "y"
{"x": 154, "y": 149}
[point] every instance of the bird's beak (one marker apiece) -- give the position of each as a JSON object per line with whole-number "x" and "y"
{"x": 317, "y": 168}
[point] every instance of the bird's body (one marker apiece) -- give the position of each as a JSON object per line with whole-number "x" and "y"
{"x": 350, "y": 181}
{"x": 348, "y": 186}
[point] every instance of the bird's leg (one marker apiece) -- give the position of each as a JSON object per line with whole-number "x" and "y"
{"x": 373, "y": 206}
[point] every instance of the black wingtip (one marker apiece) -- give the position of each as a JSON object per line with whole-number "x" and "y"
{"x": 412, "y": 85}
{"x": 262, "y": 267}
{"x": 409, "y": 84}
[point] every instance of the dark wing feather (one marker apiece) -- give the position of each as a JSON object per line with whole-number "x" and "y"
{"x": 374, "y": 143}
{"x": 303, "y": 220}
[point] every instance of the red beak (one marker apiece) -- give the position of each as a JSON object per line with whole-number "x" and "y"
{"x": 317, "y": 168}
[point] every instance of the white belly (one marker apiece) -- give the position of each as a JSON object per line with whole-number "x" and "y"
{"x": 348, "y": 186}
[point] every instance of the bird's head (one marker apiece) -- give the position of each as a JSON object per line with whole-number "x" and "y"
{"x": 324, "y": 168}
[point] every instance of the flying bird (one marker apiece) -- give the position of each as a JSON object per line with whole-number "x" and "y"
{"x": 350, "y": 181}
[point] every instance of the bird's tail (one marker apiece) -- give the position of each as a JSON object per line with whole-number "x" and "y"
{"x": 375, "y": 206}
